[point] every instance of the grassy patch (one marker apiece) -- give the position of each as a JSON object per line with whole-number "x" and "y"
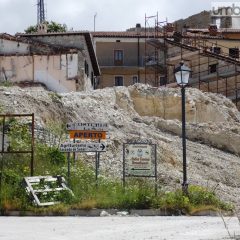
{"x": 6, "y": 84}
{"x": 138, "y": 194}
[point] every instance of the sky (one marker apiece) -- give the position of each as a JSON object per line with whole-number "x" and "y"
{"x": 111, "y": 15}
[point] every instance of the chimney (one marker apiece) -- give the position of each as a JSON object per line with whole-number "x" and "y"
{"x": 213, "y": 30}
{"x": 42, "y": 28}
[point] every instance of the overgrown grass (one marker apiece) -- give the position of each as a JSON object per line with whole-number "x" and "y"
{"x": 6, "y": 83}
{"x": 138, "y": 194}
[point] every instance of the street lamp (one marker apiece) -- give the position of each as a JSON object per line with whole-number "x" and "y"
{"x": 182, "y": 73}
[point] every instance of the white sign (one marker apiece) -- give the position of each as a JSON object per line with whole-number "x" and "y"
{"x": 83, "y": 147}
{"x": 88, "y": 126}
{"x": 139, "y": 160}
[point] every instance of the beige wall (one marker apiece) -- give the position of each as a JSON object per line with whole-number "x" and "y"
{"x": 133, "y": 51}
{"x": 54, "y": 72}
{"x": 77, "y": 41}
{"x": 105, "y": 53}
{"x": 11, "y": 47}
{"x": 59, "y": 73}
{"x": 16, "y": 68}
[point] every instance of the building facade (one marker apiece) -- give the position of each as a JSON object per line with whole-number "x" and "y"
{"x": 126, "y": 58}
{"x": 68, "y": 64}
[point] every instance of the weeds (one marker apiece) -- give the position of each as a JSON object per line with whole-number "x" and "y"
{"x": 6, "y": 83}
{"x": 139, "y": 194}
{"x": 55, "y": 97}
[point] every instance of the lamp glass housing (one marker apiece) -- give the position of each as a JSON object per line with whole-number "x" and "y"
{"x": 182, "y": 74}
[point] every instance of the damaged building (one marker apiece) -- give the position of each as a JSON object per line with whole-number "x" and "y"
{"x": 60, "y": 67}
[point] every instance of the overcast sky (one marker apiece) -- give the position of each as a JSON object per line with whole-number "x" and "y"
{"x": 112, "y": 15}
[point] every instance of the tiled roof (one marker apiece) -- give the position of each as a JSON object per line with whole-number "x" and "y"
{"x": 7, "y": 36}
{"x": 229, "y": 30}
{"x": 128, "y": 34}
{"x": 53, "y": 33}
{"x": 220, "y": 30}
{"x": 204, "y": 30}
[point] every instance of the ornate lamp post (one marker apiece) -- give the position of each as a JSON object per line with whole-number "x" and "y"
{"x": 182, "y": 73}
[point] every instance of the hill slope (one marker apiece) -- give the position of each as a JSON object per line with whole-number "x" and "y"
{"x": 199, "y": 20}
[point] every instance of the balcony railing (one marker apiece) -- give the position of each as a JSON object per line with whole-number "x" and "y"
{"x": 127, "y": 62}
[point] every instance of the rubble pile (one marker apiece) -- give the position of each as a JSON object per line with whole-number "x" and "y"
{"x": 140, "y": 111}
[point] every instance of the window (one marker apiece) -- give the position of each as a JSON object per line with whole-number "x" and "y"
{"x": 217, "y": 50}
{"x": 118, "y": 57}
{"x": 118, "y": 81}
{"x": 234, "y": 52}
{"x": 86, "y": 68}
{"x": 163, "y": 80}
{"x": 92, "y": 80}
{"x": 135, "y": 79}
{"x": 213, "y": 68}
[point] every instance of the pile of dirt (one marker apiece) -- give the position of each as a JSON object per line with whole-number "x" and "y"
{"x": 140, "y": 111}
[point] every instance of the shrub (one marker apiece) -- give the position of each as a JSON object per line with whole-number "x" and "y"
{"x": 174, "y": 201}
{"x": 55, "y": 156}
{"x": 202, "y": 196}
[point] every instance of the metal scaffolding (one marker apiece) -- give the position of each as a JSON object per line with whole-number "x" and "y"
{"x": 155, "y": 61}
{"x": 216, "y": 68}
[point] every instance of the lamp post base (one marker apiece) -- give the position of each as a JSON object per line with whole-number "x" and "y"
{"x": 185, "y": 188}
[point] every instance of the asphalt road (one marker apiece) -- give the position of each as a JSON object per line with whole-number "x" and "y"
{"x": 117, "y": 228}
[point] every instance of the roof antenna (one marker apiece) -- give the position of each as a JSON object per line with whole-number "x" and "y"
{"x": 95, "y": 15}
{"x": 41, "y": 12}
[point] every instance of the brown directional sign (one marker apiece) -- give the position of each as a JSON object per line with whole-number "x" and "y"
{"x": 84, "y": 134}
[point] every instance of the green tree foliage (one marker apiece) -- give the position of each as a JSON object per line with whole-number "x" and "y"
{"x": 31, "y": 29}
{"x": 51, "y": 27}
{"x": 56, "y": 27}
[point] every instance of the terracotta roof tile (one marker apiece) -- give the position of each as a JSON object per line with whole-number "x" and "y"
{"x": 126, "y": 34}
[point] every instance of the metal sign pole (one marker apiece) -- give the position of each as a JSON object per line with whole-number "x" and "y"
{"x": 96, "y": 168}
{"x": 124, "y": 183}
{"x": 156, "y": 185}
{"x": 32, "y": 147}
{"x": 74, "y": 154}
{"x": 99, "y": 156}
{"x": 68, "y": 159}
{"x": 2, "y": 158}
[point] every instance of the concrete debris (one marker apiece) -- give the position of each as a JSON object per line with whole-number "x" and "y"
{"x": 140, "y": 111}
{"x": 122, "y": 214}
{"x": 104, "y": 214}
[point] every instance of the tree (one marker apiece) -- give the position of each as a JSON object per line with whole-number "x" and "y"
{"x": 51, "y": 27}
{"x": 31, "y": 29}
{"x": 56, "y": 27}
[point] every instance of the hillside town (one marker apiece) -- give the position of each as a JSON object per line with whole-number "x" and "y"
{"x": 80, "y": 61}
{"x": 131, "y": 128}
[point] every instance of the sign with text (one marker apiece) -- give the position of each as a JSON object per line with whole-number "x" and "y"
{"x": 140, "y": 159}
{"x": 83, "y": 147}
{"x": 84, "y": 134}
{"x": 101, "y": 127}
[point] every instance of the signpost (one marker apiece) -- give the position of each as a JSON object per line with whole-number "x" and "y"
{"x": 86, "y": 131}
{"x": 83, "y": 147}
{"x": 102, "y": 127}
{"x": 86, "y": 134}
{"x": 139, "y": 160}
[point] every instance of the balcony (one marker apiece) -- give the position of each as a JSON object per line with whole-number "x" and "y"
{"x": 127, "y": 62}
